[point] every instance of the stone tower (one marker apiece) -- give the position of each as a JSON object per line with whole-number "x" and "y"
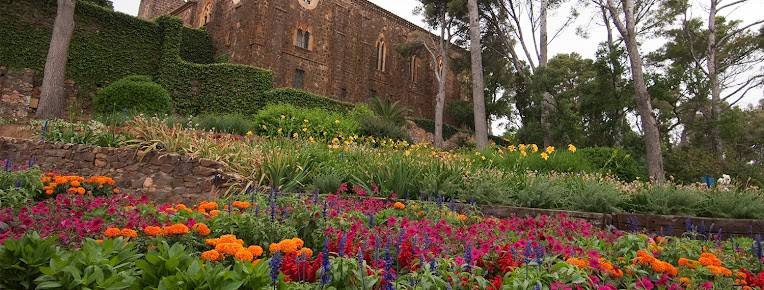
{"x": 153, "y": 8}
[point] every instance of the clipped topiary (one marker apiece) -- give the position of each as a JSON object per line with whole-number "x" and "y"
{"x": 137, "y": 94}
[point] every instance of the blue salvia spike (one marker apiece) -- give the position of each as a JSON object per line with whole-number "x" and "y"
{"x": 468, "y": 257}
{"x": 361, "y": 269}
{"x": 341, "y": 245}
{"x": 326, "y": 267}
{"x": 44, "y": 130}
{"x": 8, "y": 165}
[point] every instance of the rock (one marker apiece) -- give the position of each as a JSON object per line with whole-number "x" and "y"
{"x": 101, "y": 163}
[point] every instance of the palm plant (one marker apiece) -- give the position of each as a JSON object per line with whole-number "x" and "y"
{"x": 390, "y": 111}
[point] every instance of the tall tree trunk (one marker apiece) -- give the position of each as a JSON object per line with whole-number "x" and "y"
{"x": 52, "y": 99}
{"x": 713, "y": 76}
{"x": 478, "y": 98}
{"x": 641, "y": 95}
{"x": 441, "y": 75}
{"x": 548, "y": 100}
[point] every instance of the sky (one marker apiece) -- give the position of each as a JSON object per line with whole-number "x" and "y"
{"x": 568, "y": 40}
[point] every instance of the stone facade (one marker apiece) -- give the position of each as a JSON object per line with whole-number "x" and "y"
{"x": 341, "y": 57}
{"x": 20, "y": 91}
{"x": 162, "y": 177}
{"x": 16, "y": 92}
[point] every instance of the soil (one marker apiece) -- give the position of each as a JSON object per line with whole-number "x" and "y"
{"x": 16, "y": 131}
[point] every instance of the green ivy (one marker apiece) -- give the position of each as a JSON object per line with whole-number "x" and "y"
{"x": 109, "y": 45}
{"x": 304, "y": 99}
{"x": 106, "y": 45}
{"x": 207, "y": 88}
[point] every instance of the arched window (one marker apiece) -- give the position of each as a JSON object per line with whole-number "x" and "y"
{"x": 381, "y": 54}
{"x": 303, "y": 38}
{"x": 412, "y": 68}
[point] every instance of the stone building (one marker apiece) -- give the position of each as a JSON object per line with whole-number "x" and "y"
{"x": 345, "y": 49}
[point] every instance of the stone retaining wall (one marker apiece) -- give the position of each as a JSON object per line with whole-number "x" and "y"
{"x": 162, "y": 177}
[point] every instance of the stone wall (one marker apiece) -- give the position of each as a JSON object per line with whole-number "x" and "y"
{"x": 163, "y": 177}
{"x": 16, "y": 91}
{"x": 20, "y": 90}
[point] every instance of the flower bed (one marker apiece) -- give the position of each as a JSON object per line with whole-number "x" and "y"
{"x": 258, "y": 240}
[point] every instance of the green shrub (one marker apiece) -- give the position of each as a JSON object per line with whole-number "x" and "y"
{"x": 289, "y": 121}
{"x": 542, "y": 193}
{"x": 388, "y": 110}
{"x": 461, "y": 112}
{"x": 18, "y": 187}
{"x": 108, "y": 265}
{"x": 134, "y": 93}
{"x": 429, "y": 126}
{"x": 378, "y": 127}
{"x": 593, "y": 196}
{"x": 327, "y": 183}
{"x": 734, "y": 204}
{"x": 396, "y": 174}
{"x": 226, "y": 123}
{"x": 665, "y": 199}
{"x": 614, "y": 161}
{"x": 304, "y": 99}
{"x": 21, "y": 260}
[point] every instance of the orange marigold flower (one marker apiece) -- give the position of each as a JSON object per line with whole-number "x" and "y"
{"x": 112, "y": 232}
{"x": 298, "y": 242}
{"x": 616, "y": 273}
{"x": 116, "y": 190}
{"x": 74, "y": 183}
{"x": 49, "y": 191}
{"x": 81, "y": 190}
{"x": 214, "y": 213}
{"x": 241, "y": 204}
{"x": 244, "y": 255}
{"x": 212, "y": 242}
{"x": 228, "y": 248}
{"x": 274, "y": 247}
{"x": 307, "y": 252}
{"x": 461, "y": 217}
{"x": 256, "y": 251}
{"x": 685, "y": 280}
{"x": 128, "y": 233}
{"x": 399, "y": 205}
{"x": 202, "y": 229}
{"x": 709, "y": 259}
{"x": 581, "y": 263}
{"x": 176, "y": 229}
{"x": 692, "y": 264}
{"x": 212, "y": 256}
{"x": 152, "y": 230}
{"x": 719, "y": 270}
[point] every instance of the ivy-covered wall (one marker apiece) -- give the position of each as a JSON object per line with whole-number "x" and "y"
{"x": 106, "y": 45}
{"x": 109, "y": 45}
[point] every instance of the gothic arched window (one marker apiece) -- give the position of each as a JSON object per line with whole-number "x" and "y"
{"x": 412, "y": 68}
{"x": 381, "y": 54}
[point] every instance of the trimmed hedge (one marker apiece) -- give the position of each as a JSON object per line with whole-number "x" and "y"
{"x": 135, "y": 94}
{"x": 106, "y": 45}
{"x": 304, "y": 99}
{"x": 208, "y": 88}
{"x": 196, "y": 46}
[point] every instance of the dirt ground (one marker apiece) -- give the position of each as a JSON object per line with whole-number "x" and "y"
{"x": 16, "y": 131}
